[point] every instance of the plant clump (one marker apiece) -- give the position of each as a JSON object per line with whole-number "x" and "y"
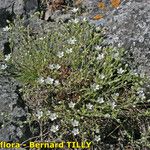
{"x": 75, "y": 82}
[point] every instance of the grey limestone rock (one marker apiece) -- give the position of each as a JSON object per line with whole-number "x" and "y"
{"x": 9, "y": 9}
{"x": 12, "y": 113}
{"x": 58, "y": 16}
{"x": 128, "y": 26}
{"x": 18, "y": 7}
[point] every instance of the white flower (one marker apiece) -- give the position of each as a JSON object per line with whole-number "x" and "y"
{"x": 100, "y": 100}
{"x": 54, "y": 66}
{"x": 39, "y": 114}
{"x": 60, "y": 54}
{"x": 100, "y": 56}
{"x": 134, "y": 72}
{"x": 7, "y": 57}
{"x": 115, "y": 55}
{"x": 75, "y": 20}
{"x": 20, "y": 90}
{"x": 49, "y": 80}
{"x": 97, "y": 138}
{"x": 75, "y": 131}
{"x": 113, "y": 105}
{"x": 120, "y": 71}
{"x": 41, "y": 38}
{"x": 141, "y": 94}
{"x": 98, "y": 28}
{"x": 69, "y": 50}
{"x": 115, "y": 96}
{"x": 53, "y": 116}
{"x": 141, "y": 39}
{"x": 56, "y": 82}
{"x": 72, "y": 40}
{"x": 40, "y": 80}
{"x": 3, "y": 67}
{"x": 107, "y": 115}
{"x": 51, "y": 66}
{"x": 54, "y": 128}
{"x": 140, "y": 91}
{"x": 84, "y": 19}
{"x": 57, "y": 66}
{"x": 102, "y": 76}
{"x": 71, "y": 104}
{"x": 89, "y": 106}
{"x": 48, "y": 113}
{"x": 97, "y": 131}
{"x": 95, "y": 87}
{"x": 6, "y": 29}
{"x": 119, "y": 45}
{"x": 75, "y": 123}
{"x": 19, "y": 132}
{"x": 98, "y": 47}
{"x": 26, "y": 54}
{"x": 142, "y": 75}
{"x": 74, "y": 10}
